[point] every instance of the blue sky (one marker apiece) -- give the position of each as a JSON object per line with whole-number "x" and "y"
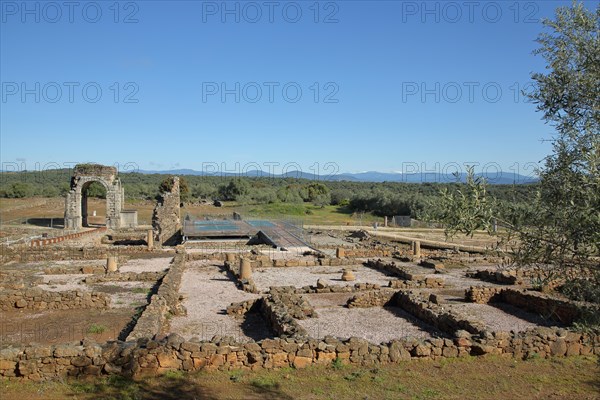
{"x": 385, "y": 85}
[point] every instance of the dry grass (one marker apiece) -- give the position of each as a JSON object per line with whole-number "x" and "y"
{"x": 469, "y": 378}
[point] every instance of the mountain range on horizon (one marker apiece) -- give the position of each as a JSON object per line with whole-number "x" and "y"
{"x": 494, "y": 178}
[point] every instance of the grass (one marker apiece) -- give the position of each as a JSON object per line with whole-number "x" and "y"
{"x": 465, "y": 378}
{"x": 139, "y": 290}
{"x": 96, "y": 328}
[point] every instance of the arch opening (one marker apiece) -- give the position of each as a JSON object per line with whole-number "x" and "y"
{"x": 94, "y": 216}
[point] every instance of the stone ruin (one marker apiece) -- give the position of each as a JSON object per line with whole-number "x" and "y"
{"x": 76, "y": 208}
{"x": 166, "y": 219}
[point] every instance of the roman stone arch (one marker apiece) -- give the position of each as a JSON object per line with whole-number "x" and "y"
{"x": 76, "y": 201}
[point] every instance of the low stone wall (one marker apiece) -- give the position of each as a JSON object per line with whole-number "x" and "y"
{"x": 364, "y": 253}
{"x": 496, "y": 276}
{"x": 296, "y": 305}
{"x": 56, "y": 253}
{"x": 147, "y": 276}
{"x": 357, "y": 287}
{"x": 436, "y": 315}
{"x": 45, "y": 242}
{"x": 559, "y": 310}
{"x": 154, "y": 319}
{"x": 281, "y": 321}
{"x": 264, "y": 261}
{"x": 280, "y": 309}
{"x": 239, "y": 309}
{"x": 482, "y": 294}
{"x": 38, "y": 299}
{"x": 151, "y": 357}
{"x": 418, "y": 280}
{"x": 429, "y": 283}
{"x": 548, "y": 277}
{"x": 370, "y": 299}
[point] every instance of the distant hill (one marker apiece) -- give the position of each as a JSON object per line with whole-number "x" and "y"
{"x": 499, "y": 178}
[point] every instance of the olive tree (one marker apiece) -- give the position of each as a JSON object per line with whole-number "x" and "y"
{"x": 562, "y": 225}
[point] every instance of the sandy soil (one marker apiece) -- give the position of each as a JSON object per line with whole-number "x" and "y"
{"x": 64, "y": 282}
{"x": 304, "y": 276}
{"x": 62, "y": 326}
{"x": 78, "y": 263}
{"x": 376, "y": 324}
{"x": 209, "y": 291}
{"x": 146, "y": 264}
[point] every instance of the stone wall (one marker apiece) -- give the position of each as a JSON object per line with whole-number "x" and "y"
{"x": 58, "y": 239}
{"x": 370, "y": 299}
{"x": 150, "y": 357}
{"x": 559, "y": 310}
{"x": 436, "y": 315}
{"x": 482, "y": 294}
{"x": 549, "y": 277}
{"x": 283, "y": 324}
{"x": 166, "y": 301}
{"x": 496, "y": 276}
{"x": 408, "y": 278}
{"x": 363, "y": 253}
{"x": 147, "y": 276}
{"x": 166, "y": 219}
{"x": 56, "y": 253}
{"x": 38, "y": 299}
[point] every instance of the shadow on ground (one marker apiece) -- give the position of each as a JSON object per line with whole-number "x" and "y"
{"x": 171, "y": 386}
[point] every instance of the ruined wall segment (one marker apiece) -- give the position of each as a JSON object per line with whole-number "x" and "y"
{"x": 166, "y": 219}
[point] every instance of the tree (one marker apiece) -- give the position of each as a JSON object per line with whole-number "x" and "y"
{"x": 566, "y": 228}
{"x": 562, "y": 228}
{"x": 167, "y": 185}
{"x": 97, "y": 190}
{"x": 234, "y": 190}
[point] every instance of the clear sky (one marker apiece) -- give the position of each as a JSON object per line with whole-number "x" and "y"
{"x": 186, "y": 84}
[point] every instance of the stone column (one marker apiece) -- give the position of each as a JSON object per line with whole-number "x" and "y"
{"x": 340, "y": 252}
{"x": 417, "y": 248}
{"x": 111, "y": 264}
{"x": 245, "y": 268}
{"x": 150, "y": 239}
{"x": 385, "y": 221}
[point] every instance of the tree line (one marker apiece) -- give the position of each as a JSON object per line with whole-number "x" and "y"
{"x": 379, "y": 198}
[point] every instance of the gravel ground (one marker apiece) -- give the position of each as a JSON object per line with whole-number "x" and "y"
{"x": 79, "y": 263}
{"x": 146, "y": 265}
{"x": 456, "y": 279}
{"x": 209, "y": 291}
{"x": 64, "y": 282}
{"x": 503, "y": 318}
{"x": 125, "y": 294}
{"x": 376, "y": 324}
{"x": 304, "y": 276}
